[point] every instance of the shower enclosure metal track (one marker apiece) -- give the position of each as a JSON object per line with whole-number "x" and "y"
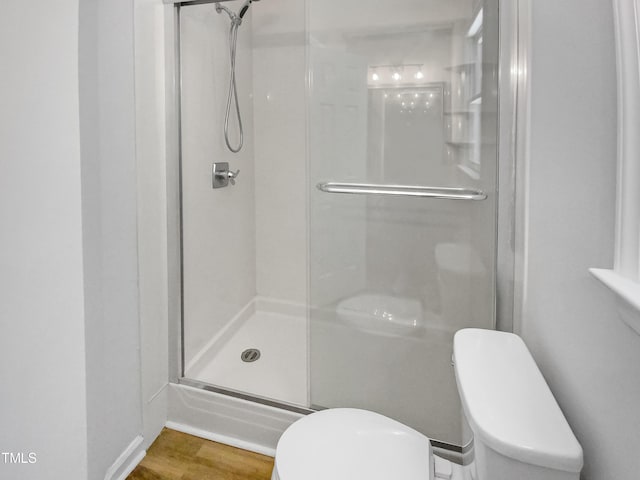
{"x": 247, "y": 396}
{"x": 448, "y": 193}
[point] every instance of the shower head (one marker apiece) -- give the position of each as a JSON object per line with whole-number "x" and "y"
{"x": 245, "y": 7}
{"x": 236, "y": 18}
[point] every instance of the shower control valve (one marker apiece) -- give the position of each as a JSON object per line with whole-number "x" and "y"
{"x": 221, "y": 175}
{"x": 233, "y": 175}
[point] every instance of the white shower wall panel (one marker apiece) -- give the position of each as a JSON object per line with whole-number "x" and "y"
{"x": 279, "y": 113}
{"x": 398, "y": 14}
{"x": 218, "y": 224}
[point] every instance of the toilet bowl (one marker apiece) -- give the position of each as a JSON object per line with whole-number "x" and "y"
{"x": 518, "y": 428}
{"x": 356, "y": 444}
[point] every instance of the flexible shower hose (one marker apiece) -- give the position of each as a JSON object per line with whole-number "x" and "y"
{"x": 233, "y": 90}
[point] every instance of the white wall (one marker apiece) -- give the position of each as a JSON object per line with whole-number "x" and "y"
{"x": 42, "y": 346}
{"x": 70, "y": 338}
{"x": 107, "y": 127}
{"x": 589, "y": 357}
{"x": 152, "y": 209}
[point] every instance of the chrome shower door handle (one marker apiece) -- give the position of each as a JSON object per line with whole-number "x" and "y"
{"x": 450, "y": 193}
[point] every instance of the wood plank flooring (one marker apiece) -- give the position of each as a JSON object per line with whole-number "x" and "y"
{"x": 178, "y": 456}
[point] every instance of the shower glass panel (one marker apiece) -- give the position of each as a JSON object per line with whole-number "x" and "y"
{"x": 313, "y": 297}
{"x": 401, "y": 94}
{"x": 244, "y": 248}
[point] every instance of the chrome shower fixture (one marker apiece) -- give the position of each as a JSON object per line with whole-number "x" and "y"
{"x": 236, "y": 21}
{"x": 236, "y": 18}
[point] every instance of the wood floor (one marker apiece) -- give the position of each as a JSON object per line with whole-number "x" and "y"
{"x": 178, "y": 456}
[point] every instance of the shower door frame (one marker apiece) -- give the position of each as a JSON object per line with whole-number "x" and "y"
{"x": 177, "y": 255}
{"x": 513, "y": 74}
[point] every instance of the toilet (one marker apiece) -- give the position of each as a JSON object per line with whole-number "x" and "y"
{"x": 519, "y": 432}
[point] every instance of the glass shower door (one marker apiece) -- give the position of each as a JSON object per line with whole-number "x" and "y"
{"x": 402, "y": 172}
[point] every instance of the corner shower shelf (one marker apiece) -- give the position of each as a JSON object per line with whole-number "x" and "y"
{"x": 461, "y": 144}
{"x": 461, "y": 67}
{"x": 470, "y": 172}
{"x": 627, "y": 293}
{"x": 459, "y": 112}
{"x": 476, "y": 99}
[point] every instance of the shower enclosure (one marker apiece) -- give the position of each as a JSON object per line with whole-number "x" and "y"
{"x": 360, "y": 233}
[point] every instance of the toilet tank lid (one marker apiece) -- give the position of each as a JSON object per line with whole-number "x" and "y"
{"x": 508, "y": 403}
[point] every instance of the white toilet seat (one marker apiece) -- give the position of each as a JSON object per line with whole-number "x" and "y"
{"x": 349, "y": 444}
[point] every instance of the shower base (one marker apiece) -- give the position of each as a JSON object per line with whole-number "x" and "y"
{"x": 402, "y": 374}
{"x": 278, "y": 331}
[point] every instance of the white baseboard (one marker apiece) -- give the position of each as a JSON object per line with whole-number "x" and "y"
{"x": 154, "y": 416}
{"x": 229, "y": 420}
{"x": 127, "y": 461}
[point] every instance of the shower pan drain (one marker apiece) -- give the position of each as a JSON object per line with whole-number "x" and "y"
{"x": 250, "y": 355}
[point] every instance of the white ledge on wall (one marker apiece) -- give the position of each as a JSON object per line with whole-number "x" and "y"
{"x": 628, "y": 293}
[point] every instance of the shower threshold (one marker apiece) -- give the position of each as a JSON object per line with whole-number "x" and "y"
{"x": 189, "y": 382}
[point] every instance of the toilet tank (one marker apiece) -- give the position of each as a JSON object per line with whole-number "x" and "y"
{"x": 519, "y": 431}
